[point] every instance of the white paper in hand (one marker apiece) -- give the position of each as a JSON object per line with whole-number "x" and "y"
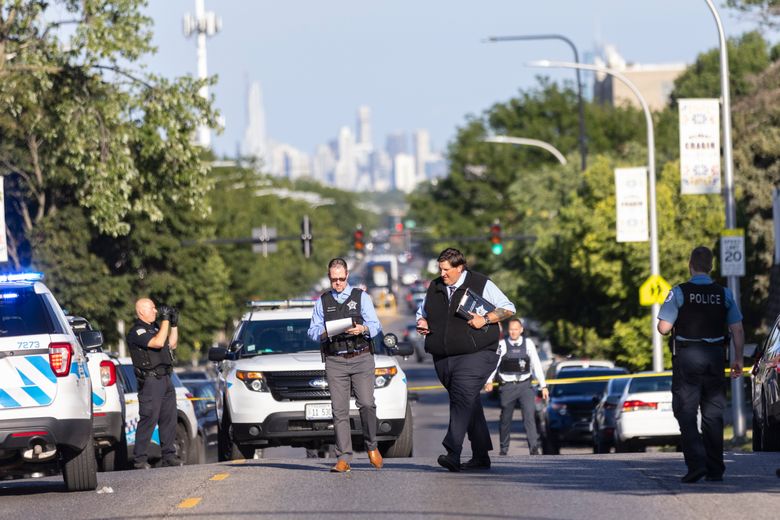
{"x": 336, "y": 327}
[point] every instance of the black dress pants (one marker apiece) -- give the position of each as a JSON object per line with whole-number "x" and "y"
{"x": 464, "y": 376}
{"x": 156, "y": 406}
{"x": 698, "y": 381}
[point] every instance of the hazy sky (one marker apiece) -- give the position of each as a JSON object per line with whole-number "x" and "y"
{"x": 416, "y": 63}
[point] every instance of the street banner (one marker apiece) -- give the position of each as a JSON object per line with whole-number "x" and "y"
{"x": 699, "y": 146}
{"x": 3, "y": 244}
{"x": 631, "y": 204}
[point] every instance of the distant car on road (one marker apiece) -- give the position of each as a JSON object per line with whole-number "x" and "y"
{"x": 603, "y": 424}
{"x": 567, "y": 417}
{"x": 574, "y": 364}
{"x": 644, "y": 415}
{"x": 766, "y": 393}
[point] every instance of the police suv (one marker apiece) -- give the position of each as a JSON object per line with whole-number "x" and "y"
{"x": 45, "y": 388}
{"x": 272, "y": 389}
{"x": 108, "y": 402}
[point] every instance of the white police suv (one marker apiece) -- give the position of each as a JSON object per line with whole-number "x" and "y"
{"x": 108, "y": 402}
{"x": 45, "y": 388}
{"x": 272, "y": 389}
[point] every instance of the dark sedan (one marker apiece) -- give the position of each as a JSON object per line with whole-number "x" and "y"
{"x": 567, "y": 417}
{"x": 603, "y": 424}
{"x": 204, "y": 401}
{"x": 766, "y": 393}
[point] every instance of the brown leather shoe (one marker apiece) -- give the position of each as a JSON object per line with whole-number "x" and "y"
{"x": 375, "y": 458}
{"x": 341, "y": 466}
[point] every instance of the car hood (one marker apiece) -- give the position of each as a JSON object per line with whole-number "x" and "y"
{"x": 297, "y": 361}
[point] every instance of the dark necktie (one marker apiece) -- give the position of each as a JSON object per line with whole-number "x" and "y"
{"x": 451, "y": 288}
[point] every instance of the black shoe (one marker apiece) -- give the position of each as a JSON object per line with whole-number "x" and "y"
{"x": 476, "y": 464}
{"x": 535, "y": 451}
{"x": 503, "y": 453}
{"x": 142, "y": 465}
{"x": 172, "y": 462}
{"x": 714, "y": 478}
{"x": 449, "y": 462}
{"x": 693, "y": 476}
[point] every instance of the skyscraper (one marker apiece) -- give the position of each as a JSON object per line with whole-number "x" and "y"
{"x": 396, "y": 143}
{"x": 403, "y": 172}
{"x": 422, "y": 153}
{"x": 255, "y": 144}
{"x": 364, "y": 136}
{"x": 346, "y": 167}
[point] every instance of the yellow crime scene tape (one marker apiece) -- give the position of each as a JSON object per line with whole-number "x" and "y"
{"x": 570, "y": 380}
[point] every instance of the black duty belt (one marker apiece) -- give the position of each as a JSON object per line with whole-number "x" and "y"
{"x": 354, "y": 353}
{"x": 683, "y": 343}
{"x": 157, "y": 372}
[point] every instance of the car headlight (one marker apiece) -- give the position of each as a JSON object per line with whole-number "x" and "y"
{"x": 252, "y": 380}
{"x": 382, "y": 376}
{"x": 560, "y": 408}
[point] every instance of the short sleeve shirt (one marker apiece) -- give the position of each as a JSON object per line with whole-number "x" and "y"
{"x": 141, "y": 333}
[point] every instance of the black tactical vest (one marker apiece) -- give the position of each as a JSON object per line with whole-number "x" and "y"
{"x": 451, "y": 335}
{"x": 516, "y": 361}
{"x": 703, "y": 312}
{"x": 146, "y": 358}
{"x": 332, "y": 310}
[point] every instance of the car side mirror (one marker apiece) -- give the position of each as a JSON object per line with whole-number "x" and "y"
{"x": 91, "y": 340}
{"x": 395, "y": 347}
{"x": 217, "y": 354}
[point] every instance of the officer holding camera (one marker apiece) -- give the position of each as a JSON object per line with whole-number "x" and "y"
{"x": 151, "y": 349}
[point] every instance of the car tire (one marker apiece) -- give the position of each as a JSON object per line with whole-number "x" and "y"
{"x": 115, "y": 458}
{"x": 550, "y": 444}
{"x": 600, "y": 445}
{"x": 182, "y": 442}
{"x": 197, "y": 454}
{"x": 403, "y": 446}
{"x": 766, "y": 437}
{"x": 79, "y": 468}
{"x": 227, "y": 450}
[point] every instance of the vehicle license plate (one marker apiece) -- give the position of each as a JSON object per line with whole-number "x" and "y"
{"x": 318, "y": 411}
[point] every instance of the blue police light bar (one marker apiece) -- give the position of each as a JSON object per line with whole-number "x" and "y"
{"x": 21, "y": 277}
{"x": 280, "y": 304}
{"x": 9, "y": 296}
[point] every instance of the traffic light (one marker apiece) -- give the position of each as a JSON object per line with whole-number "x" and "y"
{"x": 306, "y": 237}
{"x": 359, "y": 240}
{"x": 495, "y": 239}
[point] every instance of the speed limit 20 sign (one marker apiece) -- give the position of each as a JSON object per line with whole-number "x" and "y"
{"x": 732, "y": 252}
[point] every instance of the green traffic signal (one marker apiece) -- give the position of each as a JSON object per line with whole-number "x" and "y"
{"x": 497, "y": 248}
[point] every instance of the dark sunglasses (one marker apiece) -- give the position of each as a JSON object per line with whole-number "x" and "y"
{"x": 334, "y": 280}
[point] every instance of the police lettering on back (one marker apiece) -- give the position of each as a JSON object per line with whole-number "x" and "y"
{"x": 705, "y": 299}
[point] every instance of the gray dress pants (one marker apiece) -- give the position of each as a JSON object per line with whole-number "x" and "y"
{"x": 510, "y": 394}
{"x": 344, "y": 375}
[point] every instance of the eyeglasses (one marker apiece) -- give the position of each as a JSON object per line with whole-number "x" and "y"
{"x": 334, "y": 280}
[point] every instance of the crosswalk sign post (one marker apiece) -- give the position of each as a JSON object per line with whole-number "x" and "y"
{"x": 654, "y": 290}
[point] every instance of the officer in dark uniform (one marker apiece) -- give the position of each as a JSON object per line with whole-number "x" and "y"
{"x": 349, "y": 361}
{"x": 699, "y": 314}
{"x": 464, "y": 354}
{"x": 151, "y": 351}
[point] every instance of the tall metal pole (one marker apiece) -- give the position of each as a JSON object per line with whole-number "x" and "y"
{"x": 658, "y": 354}
{"x": 737, "y": 397}
{"x": 581, "y": 106}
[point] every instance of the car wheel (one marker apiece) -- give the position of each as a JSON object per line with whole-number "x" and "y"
{"x": 550, "y": 444}
{"x": 79, "y": 468}
{"x": 403, "y": 445}
{"x": 197, "y": 451}
{"x": 768, "y": 436}
{"x": 181, "y": 442}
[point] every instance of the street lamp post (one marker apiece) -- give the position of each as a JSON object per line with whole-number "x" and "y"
{"x": 737, "y": 400}
{"x": 658, "y": 356}
{"x": 524, "y": 141}
{"x": 581, "y": 107}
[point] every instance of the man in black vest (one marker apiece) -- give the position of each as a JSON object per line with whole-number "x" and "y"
{"x": 150, "y": 349}
{"x": 518, "y": 360}
{"x": 464, "y": 353}
{"x": 349, "y": 361}
{"x": 698, "y": 313}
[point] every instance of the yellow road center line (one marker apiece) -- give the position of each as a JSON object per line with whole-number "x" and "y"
{"x": 239, "y": 461}
{"x": 189, "y": 502}
{"x": 220, "y": 476}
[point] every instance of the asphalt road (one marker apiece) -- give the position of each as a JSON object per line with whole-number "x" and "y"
{"x": 285, "y": 485}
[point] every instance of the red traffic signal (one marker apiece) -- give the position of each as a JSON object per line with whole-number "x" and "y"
{"x": 359, "y": 243}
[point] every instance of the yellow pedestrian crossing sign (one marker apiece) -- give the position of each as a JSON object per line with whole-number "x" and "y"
{"x": 654, "y": 290}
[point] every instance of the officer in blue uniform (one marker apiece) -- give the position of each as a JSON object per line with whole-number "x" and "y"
{"x": 349, "y": 361}
{"x": 151, "y": 351}
{"x": 700, "y": 314}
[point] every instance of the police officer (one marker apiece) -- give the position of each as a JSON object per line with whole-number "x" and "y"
{"x": 464, "y": 354}
{"x": 518, "y": 359}
{"x": 349, "y": 361}
{"x": 150, "y": 349}
{"x": 698, "y": 314}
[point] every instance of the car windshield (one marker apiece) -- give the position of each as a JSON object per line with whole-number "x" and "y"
{"x": 650, "y": 384}
{"x": 22, "y": 313}
{"x": 587, "y": 388}
{"x": 275, "y": 337}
